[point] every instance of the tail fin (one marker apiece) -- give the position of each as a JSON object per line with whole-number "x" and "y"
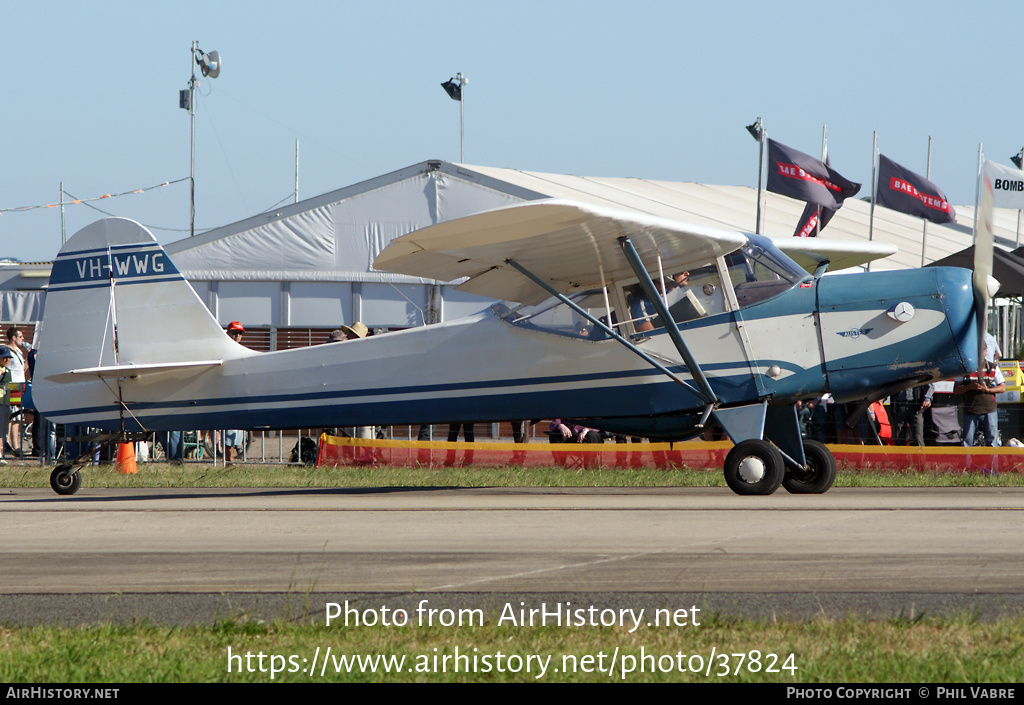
{"x": 115, "y": 298}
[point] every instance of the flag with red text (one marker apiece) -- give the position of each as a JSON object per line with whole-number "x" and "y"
{"x": 813, "y": 220}
{"x": 903, "y": 190}
{"x": 797, "y": 175}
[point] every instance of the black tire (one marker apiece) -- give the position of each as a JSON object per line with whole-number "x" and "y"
{"x": 64, "y": 481}
{"x": 754, "y": 467}
{"x": 819, "y": 474}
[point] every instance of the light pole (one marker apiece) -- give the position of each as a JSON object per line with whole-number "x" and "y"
{"x": 454, "y": 88}
{"x": 209, "y": 64}
{"x": 758, "y": 132}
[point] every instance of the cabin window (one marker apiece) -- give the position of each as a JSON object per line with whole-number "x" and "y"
{"x": 689, "y": 294}
{"x": 759, "y": 272}
{"x": 553, "y": 316}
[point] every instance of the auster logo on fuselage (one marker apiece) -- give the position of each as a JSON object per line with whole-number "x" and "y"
{"x": 854, "y": 332}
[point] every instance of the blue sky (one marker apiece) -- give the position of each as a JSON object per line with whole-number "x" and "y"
{"x": 658, "y": 90}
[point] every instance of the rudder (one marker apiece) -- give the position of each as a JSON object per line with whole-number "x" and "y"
{"x": 113, "y": 280}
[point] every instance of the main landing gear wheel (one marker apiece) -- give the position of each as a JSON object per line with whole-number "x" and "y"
{"x": 754, "y": 467}
{"x": 819, "y": 474}
{"x": 64, "y": 481}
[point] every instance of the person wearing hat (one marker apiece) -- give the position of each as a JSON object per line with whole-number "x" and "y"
{"x": 233, "y": 438}
{"x": 5, "y": 406}
{"x": 354, "y": 331}
{"x": 235, "y": 331}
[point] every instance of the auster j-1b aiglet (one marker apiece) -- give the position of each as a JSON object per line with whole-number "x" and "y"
{"x": 590, "y": 328}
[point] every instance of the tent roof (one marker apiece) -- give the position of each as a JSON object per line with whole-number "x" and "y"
{"x": 337, "y": 235}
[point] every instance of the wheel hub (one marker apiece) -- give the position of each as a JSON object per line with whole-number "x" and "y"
{"x": 751, "y": 469}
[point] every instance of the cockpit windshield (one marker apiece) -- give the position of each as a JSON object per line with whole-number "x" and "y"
{"x": 760, "y": 271}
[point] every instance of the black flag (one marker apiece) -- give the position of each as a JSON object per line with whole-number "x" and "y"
{"x": 813, "y": 220}
{"x": 805, "y": 178}
{"x": 907, "y": 192}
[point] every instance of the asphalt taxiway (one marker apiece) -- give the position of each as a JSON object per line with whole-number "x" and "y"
{"x": 170, "y": 554}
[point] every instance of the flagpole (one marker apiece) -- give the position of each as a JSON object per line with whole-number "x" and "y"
{"x": 824, "y": 160}
{"x": 977, "y": 192}
{"x": 760, "y": 176}
{"x": 1021, "y": 167}
{"x": 927, "y": 175}
{"x": 874, "y": 188}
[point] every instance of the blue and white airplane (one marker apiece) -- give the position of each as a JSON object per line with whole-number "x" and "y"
{"x": 599, "y": 323}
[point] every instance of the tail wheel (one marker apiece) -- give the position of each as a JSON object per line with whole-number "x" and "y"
{"x": 64, "y": 481}
{"x": 818, "y": 475}
{"x": 754, "y": 467}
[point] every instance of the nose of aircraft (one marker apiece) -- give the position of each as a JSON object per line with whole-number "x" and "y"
{"x": 957, "y": 294}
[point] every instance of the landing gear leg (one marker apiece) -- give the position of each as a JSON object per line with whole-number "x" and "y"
{"x": 66, "y": 478}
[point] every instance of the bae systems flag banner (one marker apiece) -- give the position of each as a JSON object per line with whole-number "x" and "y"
{"x": 907, "y": 192}
{"x": 813, "y": 220}
{"x": 1007, "y": 185}
{"x": 797, "y": 175}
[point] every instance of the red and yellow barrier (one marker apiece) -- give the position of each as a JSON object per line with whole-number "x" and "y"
{"x": 690, "y": 454}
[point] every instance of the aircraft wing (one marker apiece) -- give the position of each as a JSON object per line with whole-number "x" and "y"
{"x": 566, "y": 243}
{"x": 809, "y": 252}
{"x": 129, "y": 370}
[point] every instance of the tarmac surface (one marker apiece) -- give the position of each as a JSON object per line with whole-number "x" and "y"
{"x": 196, "y": 555}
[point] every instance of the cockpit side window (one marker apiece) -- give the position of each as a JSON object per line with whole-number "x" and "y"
{"x": 554, "y": 316}
{"x": 689, "y": 294}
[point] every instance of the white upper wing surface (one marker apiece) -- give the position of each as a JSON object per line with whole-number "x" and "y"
{"x": 564, "y": 243}
{"x": 569, "y": 244}
{"x": 809, "y": 252}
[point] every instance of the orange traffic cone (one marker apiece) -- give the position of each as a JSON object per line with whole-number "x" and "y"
{"x": 126, "y": 459}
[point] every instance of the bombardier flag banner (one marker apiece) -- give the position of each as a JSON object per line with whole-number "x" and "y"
{"x": 1007, "y": 185}
{"x": 903, "y": 190}
{"x": 797, "y": 175}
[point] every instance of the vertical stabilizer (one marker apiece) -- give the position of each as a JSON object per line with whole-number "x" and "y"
{"x": 115, "y": 297}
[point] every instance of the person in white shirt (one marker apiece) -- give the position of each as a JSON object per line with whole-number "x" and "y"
{"x": 16, "y": 365}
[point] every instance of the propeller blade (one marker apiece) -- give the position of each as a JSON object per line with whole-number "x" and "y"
{"x": 985, "y": 286}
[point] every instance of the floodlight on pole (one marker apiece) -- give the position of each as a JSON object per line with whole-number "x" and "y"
{"x": 760, "y": 134}
{"x": 209, "y": 65}
{"x": 454, "y": 87}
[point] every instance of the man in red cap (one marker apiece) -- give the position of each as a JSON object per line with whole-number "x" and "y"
{"x": 235, "y": 331}
{"x": 233, "y": 438}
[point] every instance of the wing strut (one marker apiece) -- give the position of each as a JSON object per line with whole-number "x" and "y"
{"x": 671, "y": 328}
{"x": 610, "y": 332}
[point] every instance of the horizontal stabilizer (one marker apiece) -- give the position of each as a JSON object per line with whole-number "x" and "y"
{"x": 129, "y": 370}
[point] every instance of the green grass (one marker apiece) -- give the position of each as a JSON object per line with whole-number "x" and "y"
{"x": 855, "y": 649}
{"x": 206, "y": 475}
{"x": 850, "y": 650}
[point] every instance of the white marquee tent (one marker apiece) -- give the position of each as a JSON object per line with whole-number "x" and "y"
{"x": 307, "y": 265}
